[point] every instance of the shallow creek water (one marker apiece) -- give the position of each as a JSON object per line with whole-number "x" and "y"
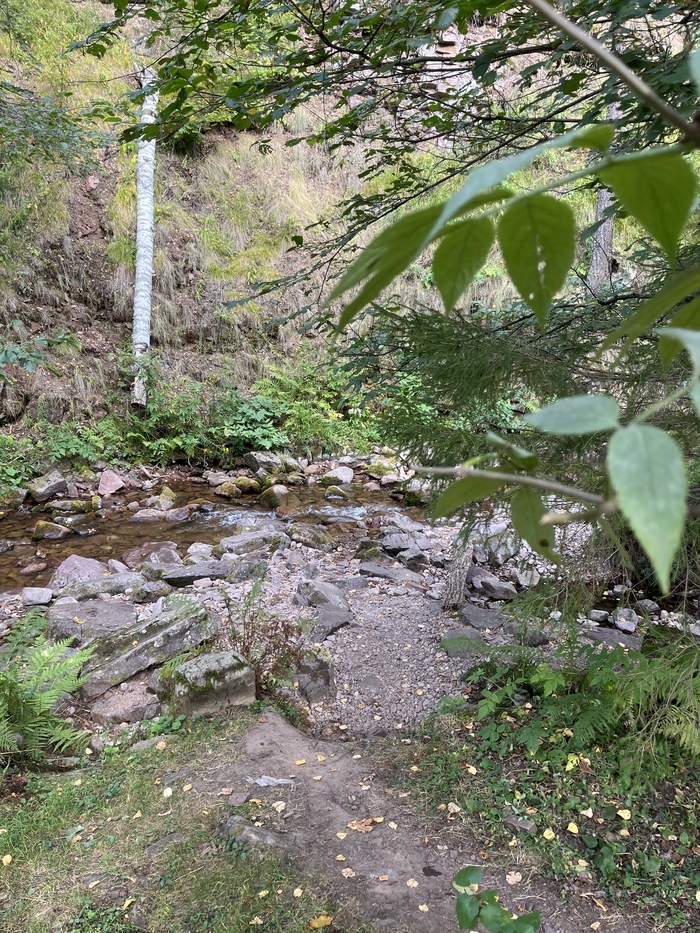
{"x": 115, "y": 532}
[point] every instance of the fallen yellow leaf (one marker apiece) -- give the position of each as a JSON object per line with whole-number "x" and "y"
{"x": 137, "y": 815}
{"x": 2, "y": 832}
{"x": 6, "y": 859}
{"x": 697, "y": 896}
{"x": 355, "y": 757}
{"x": 93, "y": 884}
{"x": 168, "y": 792}
{"x": 161, "y": 746}
{"x": 419, "y": 693}
{"x": 471, "y": 769}
{"x": 588, "y": 813}
{"x": 302, "y": 761}
{"x": 393, "y": 825}
{"x": 318, "y": 922}
{"x": 341, "y": 835}
{"x": 573, "y": 828}
{"x": 318, "y": 777}
{"x": 625, "y": 814}
{"x": 279, "y": 806}
{"x": 263, "y": 893}
{"x": 256, "y": 922}
{"x": 340, "y": 858}
{"x": 127, "y": 903}
{"x": 548, "y": 834}
{"x": 423, "y": 908}
{"x": 386, "y": 878}
{"x": 595, "y": 925}
{"x": 513, "y": 877}
{"x": 347, "y": 873}
{"x": 623, "y": 832}
{"x": 225, "y": 792}
{"x": 412, "y": 883}
{"x": 297, "y": 892}
{"x": 187, "y": 787}
{"x": 414, "y": 767}
{"x": 320, "y": 757}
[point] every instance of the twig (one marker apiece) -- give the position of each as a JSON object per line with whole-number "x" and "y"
{"x": 520, "y": 479}
{"x": 617, "y": 66}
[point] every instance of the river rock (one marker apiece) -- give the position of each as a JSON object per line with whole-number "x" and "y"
{"x": 273, "y": 496}
{"x": 150, "y": 590}
{"x": 251, "y": 567}
{"x": 157, "y": 552}
{"x": 329, "y": 621}
{"x": 312, "y": 536}
{"x": 77, "y": 569}
{"x": 393, "y": 543}
{"x": 598, "y": 615}
{"x": 187, "y": 574}
{"x": 228, "y": 490}
{"x": 499, "y": 590}
{"x": 339, "y": 477}
{"x": 482, "y": 619}
{"x": 336, "y": 492}
{"x": 527, "y": 578}
{"x": 263, "y": 460}
{"x": 12, "y": 497}
{"x": 368, "y": 548}
{"x": 164, "y": 502}
{"x": 49, "y": 531}
{"x": 217, "y": 479}
{"x": 113, "y": 584}
{"x": 401, "y": 522}
{"x": 315, "y": 680}
{"x": 626, "y": 620}
{"x": 208, "y": 683}
{"x": 380, "y": 468}
{"x": 6, "y": 545}
{"x": 396, "y": 575}
{"x": 314, "y": 593}
{"x": 45, "y": 487}
{"x": 148, "y": 515}
{"x": 268, "y": 537}
{"x": 247, "y": 835}
{"x": 613, "y": 638}
{"x": 527, "y": 634}
{"x": 413, "y": 558}
{"x": 122, "y": 645}
{"x": 110, "y": 482}
{"x": 198, "y": 552}
{"x": 462, "y": 643}
{"x": 246, "y": 484}
{"x": 135, "y": 704}
{"x": 476, "y": 574}
{"x": 36, "y": 596}
{"x": 76, "y": 505}
{"x": 290, "y": 464}
{"x": 647, "y": 607}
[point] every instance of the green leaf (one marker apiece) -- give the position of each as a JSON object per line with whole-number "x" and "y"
{"x": 599, "y": 136}
{"x": 580, "y": 414}
{"x": 659, "y": 190}
{"x": 689, "y": 319}
{"x": 467, "y": 909}
{"x": 538, "y": 240}
{"x": 521, "y": 459}
{"x": 487, "y": 176}
{"x": 464, "y": 491}
{"x": 526, "y": 512}
{"x": 466, "y": 877}
{"x": 495, "y": 918}
{"x": 689, "y": 339}
{"x": 459, "y": 257}
{"x": 675, "y": 290}
{"x": 647, "y": 472}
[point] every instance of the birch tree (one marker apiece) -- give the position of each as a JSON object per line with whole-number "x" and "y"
{"x": 143, "y": 279}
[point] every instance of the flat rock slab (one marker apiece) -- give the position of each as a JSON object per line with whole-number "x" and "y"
{"x": 329, "y": 621}
{"x": 482, "y": 619}
{"x": 314, "y": 593}
{"x": 186, "y": 575}
{"x": 394, "y": 574}
{"x": 462, "y": 643}
{"x": 613, "y": 638}
{"x": 208, "y": 683}
{"x": 136, "y": 556}
{"x": 114, "y": 584}
{"x": 110, "y": 482}
{"x": 122, "y": 645}
{"x": 76, "y": 569}
{"x": 252, "y": 541}
{"x": 36, "y": 596}
{"x": 45, "y": 487}
{"x": 132, "y": 705}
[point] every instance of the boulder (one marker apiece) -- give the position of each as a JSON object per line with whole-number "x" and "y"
{"x": 110, "y": 482}
{"x": 269, "y": 537}
{"x": 389, "y": 479}
{"x": 314, "y": 593}
{"x": 598, "y": 615}
{"x": 113, "y": 584}
{"x": 36, "y": 596}
{"x": 217, "y": 479}
{"x": 156, "y": 552}
{"x": 368, "y": 547}
{"x": 527, "y": 634}
{"x": 116, "y": 566}
{"x": 462, "y": 643}
{"x": 613, "y": 638}
{"x": 482, "y": 619}
{"x": 290, "y": 464}
{"x": 77, "y": 569}
{"x": 315, "y": 680}
{"x": 647, "y": 607}
{"x": 122, "y": 645}
{"x": 527, "y": 578}
{"x": 198, "y": 552}
{"x": 413, "y": 558}
{"x": 247, "y": 484}
{"x": 329, "y": 621}
{"x": 336, "y": 492}
{"x": 273, "y": 496}
{"x": 49, "y": 531}
{"x": 164, "y": 502}
{"x": 396, "y": 575}
{"x": 208, "y": 683}
{"x": 341, "y": 476}
{"x": 312, "y": 536}
{"x": 6, "y": 545}
{"x": 263, "y": 460}
{"x": 393, "y": 543}
{"x": 45, "y": 487}
{"x": 151, "y": 590}
{"x": 476, "y": 574}
{"x": 246, "y": 568}
{"x": 228, "y": 490}
{"x": 499, "y": 590}
{"x": 401, "y": 522}
{"x": 76, "y": 506}
{"x": 186, "y": 575}
{"x": 12, "y": 498}
{"x": 380, "y": 468}
{"x": 626, "y": 620}
{"x": 134, "y": 704}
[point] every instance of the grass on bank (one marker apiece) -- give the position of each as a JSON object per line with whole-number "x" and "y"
{"x": 72, "y": 849}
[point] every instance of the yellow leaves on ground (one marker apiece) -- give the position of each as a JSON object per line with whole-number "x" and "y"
{"x": 93, "y": 884}
{"x": 320, "y": 757}
{"x": 319, "y": 922}
{"x": 386, "y": 878}
{"x": 347, "y": 873}
{"x": 573, "y": 828}
{"x": 412, "y": 883}
{"x": 340, "y": 858}
{"x": 423, "y": 908}
{"x": 187, "y": 787}
{"x": 161, "y": 746}
{"x": 623, "y": 832}
{"x": 168, "y": 792}
{"x": 595, "y": 925}
{"x": 697, "y": 896}
{"x": 256, "y": 922}
{"x": 513, "y": 877}
{"x": 414, "y": 768}
{"x": 137, "y": 815}
{"x": 470, "y": 769}
{"x": 6, "y": 859}
{"x": 588, "y": 813}
{"x": 279, "y": 806}
{"x": 297, "y": 892}
{"x": 548, "y": 834}
{"x": 263, "y": 893}
{"x": 302, "y": 761}
{"x": 318, "y": 777}
{"x": 341, "y": 835}
{"x": 127, "y": 903}
{"x": 625, "y": 814}
{"x": 366, "y": 825}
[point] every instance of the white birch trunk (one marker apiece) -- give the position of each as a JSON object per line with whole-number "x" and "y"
{"x": 600, "y": 270}
{"x": 143, "y": 278}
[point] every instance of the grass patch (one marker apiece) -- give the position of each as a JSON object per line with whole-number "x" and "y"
{"x": 79, "y": 861}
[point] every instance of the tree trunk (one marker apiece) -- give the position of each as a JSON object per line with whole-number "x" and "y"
{"x": 453, "y": 594}
{"x": 143, "y": 279}
{"x": 601, "y": 267}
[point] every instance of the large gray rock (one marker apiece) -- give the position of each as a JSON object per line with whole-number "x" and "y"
{"x": 398, "y": 542}
{"x": 316, "y": 681}
{"x": 269, "y": 537}
{"x": 122, "y": 645}
{"x": 413, "y": 558}
{"x": 462, "y": 643}
{"x": 198, "y": 552}
{"x": 626, "y": 620}
{"x": 313, "y": 536}
{"x": 12, "y": 498}
{"x": 397, "y": 575}
{"x": 314, "y": 593}
{"x": 114, "y": 584}
{"x": 647, "y": 607}
{"x": 134, "y": 704}
{"x": 476, "y": 574}
{"x": 613, "y": 638}
{"x": 36, "y": 596}
{"x": 216, "y": 479}
{"x": 186, "y": 574}
{"x": 263, "y": 460}
{"x": 150, "y": 591}
{"x": 482, "y": 619}
{"x": 527, "y": 634}
{"x": 208, "y": 683}
{"x": 499, "y": 590}
{"x": 273, "y": 496}
{"x": 338, "y": 477}
{"x": 329, "y": 621}
{"x": 158, "y": 552}
{"x": 402, "y": 522}
{"x": 76, "y": 569}
{"x": 45, "y": 487}
{"x": 49, "y": 531}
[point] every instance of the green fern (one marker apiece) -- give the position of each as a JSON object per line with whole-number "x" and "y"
{"x": 34, "y": 676}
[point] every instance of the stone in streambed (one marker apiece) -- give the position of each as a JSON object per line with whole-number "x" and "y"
{"x": 341, "y": 476}
{"x": 36, "y": 596}
{"x": 228, "y": 490}
{"x": 246, "y": 484}
{"x": 316, "y": 681}
{"x": 155, "y": 552}
{"x": 76, "y": 569}
{"x": 626, "y": 620}
{"x": 275, "y": 495}
{"x": 113, "y": 585}
{"x": 110, "y": 482}
{"x": 270, "y": 537}
{"x": 150, "y": 591}
{"x": 312, "y": 536}
{"x": 186, "y": 575}
{"x": 49, "y": 531}
{"x": 313, "y": 593}
{"x": 263, "y": 460}
{"x": 482, "y": 619}
{"x": 45, "y": 487}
